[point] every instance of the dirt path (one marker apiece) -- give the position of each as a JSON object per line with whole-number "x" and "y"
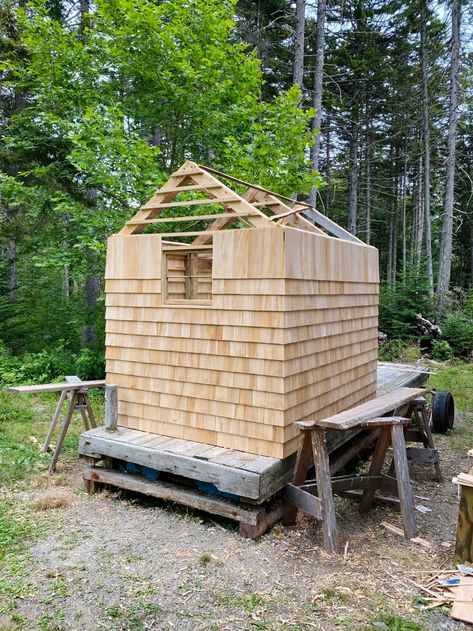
{"x": 107, "y": 562}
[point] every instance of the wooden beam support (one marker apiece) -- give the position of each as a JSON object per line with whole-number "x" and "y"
{"x": 193, "y": 218}
{"x": 111, "y": 407}
{"x": 192, "y": 202}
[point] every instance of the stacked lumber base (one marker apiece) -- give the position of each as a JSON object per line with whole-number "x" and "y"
{"x": 251, "y": 478}
{"x": 253, "y": 520}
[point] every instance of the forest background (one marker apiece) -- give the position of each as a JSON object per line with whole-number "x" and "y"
{"x": 101, "y": 101}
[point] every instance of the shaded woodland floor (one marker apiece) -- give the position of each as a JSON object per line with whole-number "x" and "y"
{"x": 119, "y": 562}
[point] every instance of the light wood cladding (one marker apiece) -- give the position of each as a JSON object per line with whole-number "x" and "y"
{"x": 134, "y": 257}
{"x": 289, "y": 333}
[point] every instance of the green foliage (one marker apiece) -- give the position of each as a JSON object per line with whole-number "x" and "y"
{"x": 457, "y": 331}
{"x": 50, "y": 364}
{"x": 95, "y": 115}
{"x": 441, "y": 350}
{"x": 396, "y": 623}
{"x": 15, "y": 527}
{"x": 398, "y": 350}
{"x": 400, "y": 304}
{"x": 275, "y": 153}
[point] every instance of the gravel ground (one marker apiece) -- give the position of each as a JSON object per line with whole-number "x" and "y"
{"x": 118, "y": 562}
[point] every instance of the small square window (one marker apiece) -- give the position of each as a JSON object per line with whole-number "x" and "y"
{"x": 187, "y": 276}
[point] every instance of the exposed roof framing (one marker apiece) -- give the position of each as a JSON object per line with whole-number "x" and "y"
{"x": 194, "y": 178}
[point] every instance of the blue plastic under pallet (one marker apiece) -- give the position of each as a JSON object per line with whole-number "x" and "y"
{"x": 153, "y": 474}
{"x": 130, "y": 467}
{"x": 211, "y": 489}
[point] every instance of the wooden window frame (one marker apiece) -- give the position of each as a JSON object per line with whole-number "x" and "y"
{"x": 183, "y": 251}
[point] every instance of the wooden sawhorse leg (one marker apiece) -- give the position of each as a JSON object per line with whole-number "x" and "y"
{"x": 303, "y": 462}
{"x": 404, "y": 488}
{"x": 324, "y": 488}
{"x": 377, "y": 461}
{"x": 55, "y": 419}
{"x": 313, "y": 448}
{"x": 64, "y": 428}
{"x": 423, "y": 423}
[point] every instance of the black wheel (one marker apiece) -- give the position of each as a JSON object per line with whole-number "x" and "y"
{"x": 443, "y": 412}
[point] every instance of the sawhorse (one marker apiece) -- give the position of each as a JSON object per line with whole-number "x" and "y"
{"x": 76, "y": 392}
{"x": 316, "y": 498}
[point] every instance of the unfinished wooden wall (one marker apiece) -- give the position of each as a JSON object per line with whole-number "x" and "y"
{"x": 289, "y": 334}
{"x": 332, "y": 291}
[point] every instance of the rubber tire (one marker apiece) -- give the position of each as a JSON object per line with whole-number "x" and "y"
{"x": 443, "y": 412}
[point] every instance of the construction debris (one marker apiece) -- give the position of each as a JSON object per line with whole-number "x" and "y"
{"x": 450, "y": 587}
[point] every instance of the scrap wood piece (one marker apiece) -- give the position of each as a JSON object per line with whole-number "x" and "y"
{"x": 463, "y": 603}
{"x": 464, "y": 479}
{"x": 398, "y": 531}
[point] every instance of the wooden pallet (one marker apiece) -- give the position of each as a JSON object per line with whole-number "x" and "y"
{"x": 253, "y": 520}
{"x": 252, "y": 478}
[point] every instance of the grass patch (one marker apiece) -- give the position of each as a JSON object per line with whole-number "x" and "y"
{"x": 24, "y": 422}
{"x": 50, "y": 502}
{"x": 394, "y": 623}
{"x": 16, "y": 526}
{"x": 459, "y": 381}
{"x": 136, "y": 617}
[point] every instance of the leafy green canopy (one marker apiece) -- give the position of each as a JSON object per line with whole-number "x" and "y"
{"x": 97, "y": 113}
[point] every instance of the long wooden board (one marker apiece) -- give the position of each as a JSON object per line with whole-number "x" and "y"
{"x": 379, "y": 406}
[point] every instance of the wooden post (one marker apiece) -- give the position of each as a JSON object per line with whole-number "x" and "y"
{"x": 111, "y": 407}
{"x": 403, "y": 481}
{"x": 304, "y": 457}
{"x": 55, "y": 419}
{"x": 324, "y": 488}
{"x": 464, "y": 538}
{"x": 377, "y": 461}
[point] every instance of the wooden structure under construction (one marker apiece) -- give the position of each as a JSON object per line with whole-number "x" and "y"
{"x": 225, "y": 328}
{"x": 244, "y": 487}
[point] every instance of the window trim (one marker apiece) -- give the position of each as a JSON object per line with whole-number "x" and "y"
{"x": 183, "y": 250}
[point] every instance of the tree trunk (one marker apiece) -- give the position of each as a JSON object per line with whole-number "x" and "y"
{"x": 92, "y": 292}
{"x": 318, "y": 88}
{"x": 404, "y": 218}
{"x": 471, "y": 254}
{"x": 328, "y": 171}
{"x": 368, "y": 185}
{"x": 298, "y": 76}
{"x": 445, "y": 256}
{"x": 420, "y": 216}
{"x": 12, "y": 281}
{"x": 353, "y": 177}
{"x": 426, "y": 148}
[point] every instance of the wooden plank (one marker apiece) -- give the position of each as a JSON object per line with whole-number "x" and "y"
{"x": 303, "y": 460}
{"x": 189, "y": 202}
{"x": 330, "y": 226}
{"x": 406, "y": 498}
{"x": 464, "y": 535}
{"x": 225, "y": 478}
{"x": 173, "y": 493}
{"x": 193, "y": 233}
{"x": 324, "y": 489}
{"x": 189, "y": 187}
{"x": 56, "y": 387}
{"x": 299, "y": 498}
{"x": 187, "y": 218}
{"x": 353, "y": 417}
{"x": 462, "y": 608}
{"x": 377, "y": 462}
{"x": 111, "y": 407}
